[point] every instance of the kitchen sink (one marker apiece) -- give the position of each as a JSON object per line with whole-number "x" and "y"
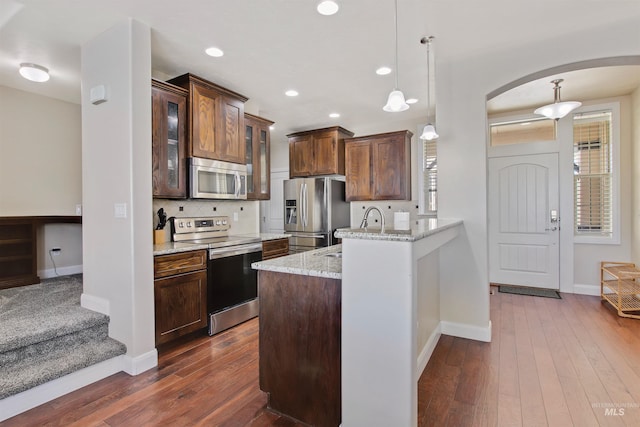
{"x": 334, "y": 254}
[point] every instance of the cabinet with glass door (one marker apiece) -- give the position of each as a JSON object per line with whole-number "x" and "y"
{"x": 258, "y": 143}
{"x": 169, "y": 139}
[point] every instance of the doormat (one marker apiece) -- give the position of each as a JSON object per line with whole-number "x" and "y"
{"x": 534, "y": 292}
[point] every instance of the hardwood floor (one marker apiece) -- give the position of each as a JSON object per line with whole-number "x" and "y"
{"x": 568, "y": 362}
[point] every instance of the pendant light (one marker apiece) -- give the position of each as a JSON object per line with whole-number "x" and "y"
{"x": 429, "y": 132}
{"x": 558, "y": 109}
{"x": 395, "y": 102}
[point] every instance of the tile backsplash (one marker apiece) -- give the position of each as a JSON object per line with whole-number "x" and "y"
{"x": 388, "y": 207}
{"x": 248, "y": 213}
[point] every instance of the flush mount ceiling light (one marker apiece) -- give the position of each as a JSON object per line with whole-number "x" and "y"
{"x": 429, "y": 132}
{"x": 558, "y": 109}
{"x": 395, "y": 102}
{"x": 327, "y": 7}
{"x": 34, "y": 72}
{"x": 383, "y": 71}
{"x": 334, "y": 115}
{"x": 291, "y": 92}
{"x": 214, "y": 51}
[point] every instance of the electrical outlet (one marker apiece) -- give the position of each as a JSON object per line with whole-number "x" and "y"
{"x": 55, "y": 251}
{"x": 235, "y": 216}
{"x": 78, "y": 209}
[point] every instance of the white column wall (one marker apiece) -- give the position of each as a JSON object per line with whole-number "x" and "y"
{"x": 462, "y": 170}
{"x": 116, "y": 157}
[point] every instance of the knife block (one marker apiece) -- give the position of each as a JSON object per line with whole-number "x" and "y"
{"x": 158, "y": 237}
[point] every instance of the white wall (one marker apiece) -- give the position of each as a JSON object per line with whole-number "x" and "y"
{"x": 116, "y": 155}
{"x": 462, "y": 88}
{"x": 635, "y": 177}
{"x": 41, "y": 171}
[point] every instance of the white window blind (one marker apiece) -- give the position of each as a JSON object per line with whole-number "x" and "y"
{"x": 593, "y": 174}
{"x": 430, "y": 176}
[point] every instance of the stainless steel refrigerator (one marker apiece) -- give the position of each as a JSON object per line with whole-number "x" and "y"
{"x": 313, "y": 209}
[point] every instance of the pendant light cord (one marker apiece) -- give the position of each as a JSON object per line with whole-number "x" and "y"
{"x": 396, "y": 20}
{"x": 427, "y": 41}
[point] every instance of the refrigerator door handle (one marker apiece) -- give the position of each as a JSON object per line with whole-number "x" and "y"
{"x": 305, "y": 204}
{"x": 301, "y": 207}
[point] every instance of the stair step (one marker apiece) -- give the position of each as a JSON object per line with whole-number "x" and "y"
{"x": 25, "y": 329}
{"x": 38, "y": 368}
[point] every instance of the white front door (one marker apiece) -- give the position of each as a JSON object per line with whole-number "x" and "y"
{"x": 523, "y": 236}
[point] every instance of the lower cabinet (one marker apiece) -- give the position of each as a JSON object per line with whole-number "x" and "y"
{"x": 180, "y": 293}
{"x": 275, "y": 248}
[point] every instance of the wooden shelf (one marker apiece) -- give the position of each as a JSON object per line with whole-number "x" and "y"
{"x": 620, "y": 286}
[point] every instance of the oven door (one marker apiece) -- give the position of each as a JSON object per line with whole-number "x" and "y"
{"x": 231, "y": 280}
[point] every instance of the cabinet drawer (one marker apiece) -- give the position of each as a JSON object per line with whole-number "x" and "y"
{"x": 168, "y": 265}
{"x": 275, "y": 248}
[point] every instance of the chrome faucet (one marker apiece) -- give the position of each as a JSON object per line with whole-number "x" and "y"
{"x": 365, "y": 223}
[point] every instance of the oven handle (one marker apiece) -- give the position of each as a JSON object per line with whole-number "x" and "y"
{"x": 235, "y": 250}
{"x": 315, "y": 236}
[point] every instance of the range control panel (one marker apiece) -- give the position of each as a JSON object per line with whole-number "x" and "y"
{"x": 184, "y": 228}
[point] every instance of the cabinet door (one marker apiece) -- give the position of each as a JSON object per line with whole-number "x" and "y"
{"x": 180, "y": 305}
{"x": 257, "y": 158}
{"x": 169, "y": 144}
{"x": 358, "y": 171}
{"x": 325, "y": 153}
{"x": 301, "y": 156}
{"x": 389, "y": 158}
{"x": 230, "y": 145}
{"x": 204, "y": 121}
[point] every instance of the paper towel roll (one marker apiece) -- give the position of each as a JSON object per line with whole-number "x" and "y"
{"x": 401, "y": 221}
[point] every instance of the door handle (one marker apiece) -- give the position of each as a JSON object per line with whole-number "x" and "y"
{"x": 551, "y": 229}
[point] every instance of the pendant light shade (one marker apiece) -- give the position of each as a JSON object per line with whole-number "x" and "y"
{"x": 429, "y": 132}
{"x": 558, "y": 109}
{"x": 396, "y": 102}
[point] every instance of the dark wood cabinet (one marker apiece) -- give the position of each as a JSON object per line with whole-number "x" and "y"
{"x": 317, "y": 152}
{"x": 378, "y": 167}
{"x": 216, "y": 118}
{"x": 275, "y": 248}
{"x": 300, "y": 346}
{"x": 180, "y": 294}
{"x": 169, "y": 140}
{"x": 258, "y": 157}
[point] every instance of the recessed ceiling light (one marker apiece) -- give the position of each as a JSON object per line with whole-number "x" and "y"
{"x": 383, "y": 71}
{"x": 334, "y": 115}
{"x": 34, "y": 72}
{"x": 214, "y": 51}
{"x": 272, "y": 127}
{"x": 525, "y": 123}
{"x": 291, "y": 92}
{"x": 411, "y": 100}
{"x": 327, "y": 7}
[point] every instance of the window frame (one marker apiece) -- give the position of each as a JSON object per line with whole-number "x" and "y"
{"x": 422, "y": 190}
{"x": 614, "y": 238}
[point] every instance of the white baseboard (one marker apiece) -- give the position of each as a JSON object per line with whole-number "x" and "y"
{"x": 427, "y": 351}
{"x": 463, "y": 330}
{"x": 28, "y": 399}
{"x": 586, "y": 289}
{"x": 139, "y": 364}
{"x": 91, "y": 302}
{"x": 61, "y": 271}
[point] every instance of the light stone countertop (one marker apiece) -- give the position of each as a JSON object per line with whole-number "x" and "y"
{"x": 168, "y": 248}
{"x": 310, "y": 263}
{"x": 420, "y": 229}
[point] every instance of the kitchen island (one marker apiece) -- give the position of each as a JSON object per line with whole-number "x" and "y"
{"x": 300, "y": 322}
{"x": 390, "y": 318}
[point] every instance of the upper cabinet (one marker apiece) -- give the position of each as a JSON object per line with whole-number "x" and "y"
{"x": 216, "y": 116}
{"x": 169, "y": 140}
{"x": 257, "y": 148}
{"x": 317, "y": 152}
{"x": 378, "y": 167}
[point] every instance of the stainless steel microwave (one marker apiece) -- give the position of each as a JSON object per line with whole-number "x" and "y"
{"x": 213, "y": 179}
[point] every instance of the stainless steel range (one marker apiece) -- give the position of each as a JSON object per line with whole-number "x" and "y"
{"x": 232, "y": 285}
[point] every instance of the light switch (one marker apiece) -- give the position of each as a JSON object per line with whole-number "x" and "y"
{"x": 120, "y": 210}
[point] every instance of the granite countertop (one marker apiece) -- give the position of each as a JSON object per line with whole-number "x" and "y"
{"x": 420, "y": 229}
{"x": 176, "y": 247}
{"x": 310, "y": 263}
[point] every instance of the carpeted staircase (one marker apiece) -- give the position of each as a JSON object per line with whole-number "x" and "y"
{"x": 45, "y": 334}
